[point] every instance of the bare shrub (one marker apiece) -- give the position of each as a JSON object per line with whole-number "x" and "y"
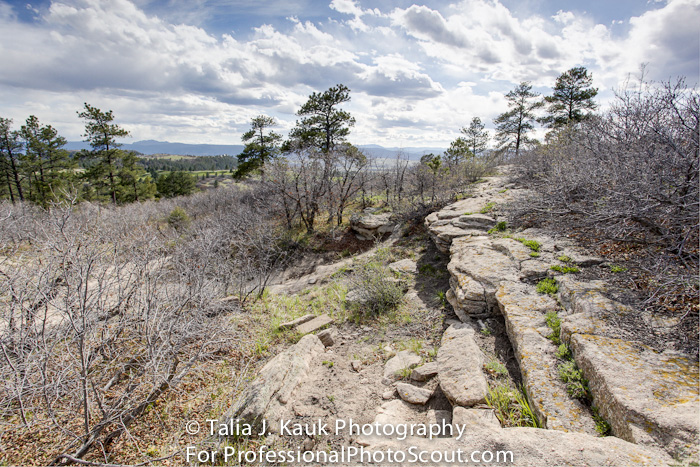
{"x": 106, "y": 311}
{"x": 629, "y": 177}
{"x": 373, "y": 289}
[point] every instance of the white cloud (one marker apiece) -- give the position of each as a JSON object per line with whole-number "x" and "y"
{"x": 417, "y": 73}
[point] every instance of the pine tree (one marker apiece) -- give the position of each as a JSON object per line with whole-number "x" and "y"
{"x": 476, "y": 137}
{"x": 261, "y": 146}
{"x": 324, "y": 125}
{"x": 458, "y": 151}
{"x": 105, "y": 156}
{"x": 10, "y": 147}
{"x": 46, "y": 165}
{"x": 512, "y": 126}
{"x": 572, "y": 100}
{"x": 133, "y": 182}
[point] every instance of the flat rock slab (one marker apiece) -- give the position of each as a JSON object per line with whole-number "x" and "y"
{"x": 474, "y": 419}
{"x": 297, "y": 322}
{"x": 442, "y": 418}
{"x": 648, "y": 397}
{"x": 474, "y": 221}
{"x": 265, "y": 397}
{"x": 460, "y": 363}
{"x": 524, "y": 312}
{"x": 531, "y": 447}
{"x": 315, "y": 324}
{"x": 413, "y": 394}
{"x": 425, "y": 372}
{"x": 399, "y": 362}
{"x": 407, "y": 266}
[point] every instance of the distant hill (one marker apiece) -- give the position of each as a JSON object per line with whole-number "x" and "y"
{"x": 181, "y": 149}
{"x": 163, "y": 147}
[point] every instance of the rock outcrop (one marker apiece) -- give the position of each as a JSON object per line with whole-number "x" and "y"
{"x": 403, "y": 361}
{"x": 460, "y": 363}
{"x": 649, "y": 397}
{"x": 370, "y": 226}
{"x": 273, "y": 388}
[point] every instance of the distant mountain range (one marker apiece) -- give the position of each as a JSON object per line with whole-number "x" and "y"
{"x": 182, "y": 149}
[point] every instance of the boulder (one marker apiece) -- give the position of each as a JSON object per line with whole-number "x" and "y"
{"x": 315, "y": 324}
{"x": 476, "y": 270}
{"x": 425, "y": 372}
{"x": 403, "y": 360}
{"x": 460, "y": 364}
{"x": 265, "y": 397}
{"x": 413, "y": 394}
{"x": 407, "y": 266}
{"x": 371, "y": 226}
{"x": 328, "y": 336}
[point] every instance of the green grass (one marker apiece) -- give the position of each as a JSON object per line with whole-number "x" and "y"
{"x": 485, "y": 332}
{"x": 427, "y": 270}
{"x": 414, "y": 345}
{"x": 534, "y": 254}
{"x": 548, "y": 286}
{"x": 564, "y": 353}
{"x": 564, "y": 259}
{"x": 534, "y": 245}
{"x": 564, "y": 269}
{"x": 499, "y": 227}
{"x": 576, "y": 384}
{"x": 442, "y": 298}
{"x": 495, "y": 368}
{"x": 554, "y": 323}
{"x": 616, "y": 269}
{"x": 512, "y": 406}
{"x": 488, "y": 208}
{"x": 601, "y": 426}
{"x": 328, "y": 363}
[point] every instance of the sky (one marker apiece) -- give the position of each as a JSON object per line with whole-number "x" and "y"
{"x": 197, "y": 71}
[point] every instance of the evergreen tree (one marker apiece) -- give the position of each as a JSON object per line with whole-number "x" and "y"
{"x": 512, "y": 126}
{"x": 134, "y": 182}
{"x": 176, "y": 184}
{"x": 10, "y": 147}
{"x": 476, "y": 137}
{"x": 323, "y": 125}
{"x": 105, "y": 156}
{"x": 47, "y": 166}
{"x": 572, "y": 98}
{"x": 261, "y": 146}
{"x": 458, "y": 151}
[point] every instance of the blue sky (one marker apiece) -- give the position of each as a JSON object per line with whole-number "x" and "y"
{"x": 197, "y": 71}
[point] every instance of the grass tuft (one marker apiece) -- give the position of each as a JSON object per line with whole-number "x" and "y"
{"x": 564, "y": 269}
{"x": 512, "y": 406}
{"x": 488, "y": 208}
{"x": 534, "y": 245}
{"x": 548, "y": 286}
{"x": 554, "y": 323}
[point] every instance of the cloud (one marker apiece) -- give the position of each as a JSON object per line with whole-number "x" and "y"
{"x": 426, "y": 24}
{"x": 417, "y": 73}
{"x": 667, "y": 39}
{"x": 346, "y": 6}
